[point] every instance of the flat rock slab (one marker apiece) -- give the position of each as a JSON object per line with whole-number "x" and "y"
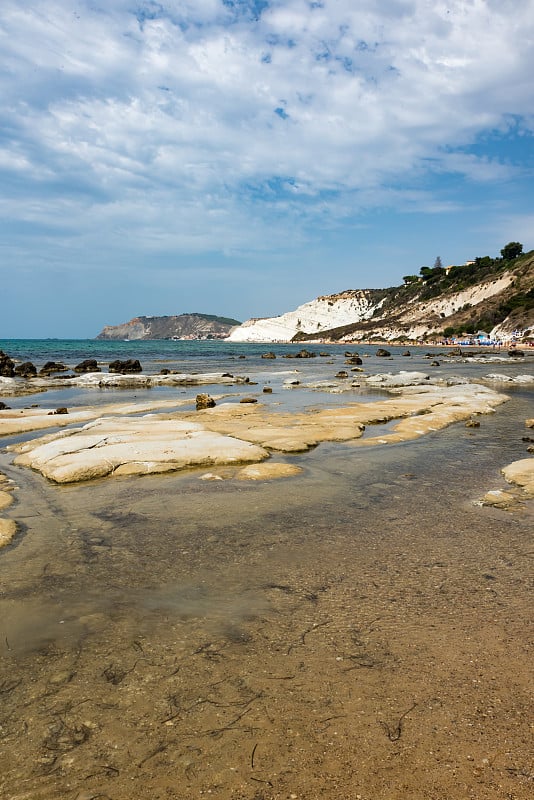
{"x": 418, "y": 409}
{"x": 117, "y": 446}
{"x": 8, "y": 529}
{"x": 24, "y": 420}
{"x": 233, "y": 433}
{"x": 13, "y": 387}
{"x": 521, "y": 473}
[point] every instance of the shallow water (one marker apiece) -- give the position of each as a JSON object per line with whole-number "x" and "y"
{"x": 361, "y": 630}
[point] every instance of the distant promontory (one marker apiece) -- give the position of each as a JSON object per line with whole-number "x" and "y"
{"x": 183, "y": 326}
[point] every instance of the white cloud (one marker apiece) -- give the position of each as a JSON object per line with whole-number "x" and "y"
{"x": 189, "y": 110}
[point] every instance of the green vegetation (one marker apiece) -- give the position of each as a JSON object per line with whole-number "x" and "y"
{"x": 513, "y": 301}
{"x": 434, "y": 281}
{"x": 214, "y": 318}
{"x": 511, "y": 250}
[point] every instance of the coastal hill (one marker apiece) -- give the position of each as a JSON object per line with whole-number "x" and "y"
{"x": 183, "y": 326}
{"x": 493, "y": 295}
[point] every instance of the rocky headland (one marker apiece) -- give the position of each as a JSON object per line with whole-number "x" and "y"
{"x": 182, "y": 326}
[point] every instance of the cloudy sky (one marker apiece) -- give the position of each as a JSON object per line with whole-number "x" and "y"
{"x": 240, "y": 157}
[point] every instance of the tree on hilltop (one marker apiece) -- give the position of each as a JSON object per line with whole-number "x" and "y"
{"x": 511, "y": 250}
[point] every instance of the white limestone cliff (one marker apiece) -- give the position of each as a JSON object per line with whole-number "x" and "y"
{"x": 318, "y": 315}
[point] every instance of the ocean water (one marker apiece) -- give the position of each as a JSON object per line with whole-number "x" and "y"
{"x": 245, "y": 358}
{"x": 360, "y": 630}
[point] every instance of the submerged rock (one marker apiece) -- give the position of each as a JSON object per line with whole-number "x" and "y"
{"x": 268, "y": 471}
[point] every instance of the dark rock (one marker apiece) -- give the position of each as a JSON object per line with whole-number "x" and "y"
{"x": 126, "y": 367}
{"x": 324, "y": 355}
{"x": 7, "y": 366}
{"x": 406, "y": 353}
{"x": 516, "y": 353}
{"x": 305, "y": 354}
{"x": 52, "y": 366}
{"x": 382, "y": 353}
{"x": 227, "y": 375}
{"x": 268, "y": 355}
{"x": 342, "y": 374}
{"x": 472, "y": 423}
{"x": 456, "y": 351}
{"x": 434, "y": 363}
{"x": 354, "y": 360}
{"x": 248, "y": 400}
{"x": 204, "y": 401}
{"x": 267, "y": 390}
{"x": 3, "y": 406}
{"x": 61, "y": 410}
{"x": 165, "y": 371}
{"x": 89, "y": 365}
{"x": 26, "y": 370}
{"x": 242, "y": 356}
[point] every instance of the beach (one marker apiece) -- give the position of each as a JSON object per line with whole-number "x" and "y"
{"x": 359, "y": 627}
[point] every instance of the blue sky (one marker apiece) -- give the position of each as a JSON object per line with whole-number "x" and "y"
{"x": 241, "y": 157}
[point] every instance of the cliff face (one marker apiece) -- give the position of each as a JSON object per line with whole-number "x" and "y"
{"x": 184, "y": 326}
{"x": 490, "y": 294}
{"x": 312, "y": 318}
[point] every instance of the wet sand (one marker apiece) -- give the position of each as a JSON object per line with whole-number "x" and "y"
{"x": 361, "y": 630}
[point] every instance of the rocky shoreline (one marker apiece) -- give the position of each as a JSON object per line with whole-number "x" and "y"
{"x": 173, "y": 616}
{"x": 152, "y": 435}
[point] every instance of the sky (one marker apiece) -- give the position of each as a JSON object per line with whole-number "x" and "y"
{"x": 242, "y": 157}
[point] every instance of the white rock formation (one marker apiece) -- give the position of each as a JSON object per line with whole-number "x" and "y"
{"x": 411, "y": 320}
{"x": 319, "y": 315}
{"x": 117, "y": 446}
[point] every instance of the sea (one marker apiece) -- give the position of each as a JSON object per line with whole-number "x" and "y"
{"x": 360, "y": 630}
{"x": 219, "y": 356}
